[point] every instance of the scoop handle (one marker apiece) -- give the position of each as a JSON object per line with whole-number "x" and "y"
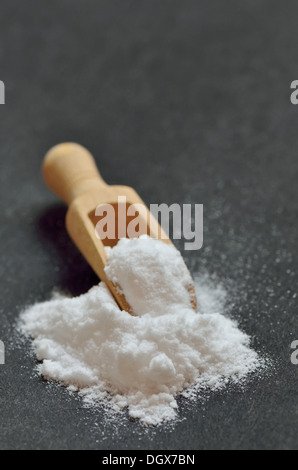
{"x": 70, "y": 170}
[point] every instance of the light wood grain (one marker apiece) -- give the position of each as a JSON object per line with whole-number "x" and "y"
{"x": 71, "y": 172}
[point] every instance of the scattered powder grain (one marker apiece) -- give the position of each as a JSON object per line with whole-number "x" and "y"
{"x": 144, "y": 362}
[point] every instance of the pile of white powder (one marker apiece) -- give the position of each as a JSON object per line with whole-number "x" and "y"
{"x": 140, "y": 362}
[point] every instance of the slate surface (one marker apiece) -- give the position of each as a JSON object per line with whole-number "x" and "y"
{"x": 186, "y": 102}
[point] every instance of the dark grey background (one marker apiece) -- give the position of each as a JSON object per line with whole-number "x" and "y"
{"x": 186, "y": 101}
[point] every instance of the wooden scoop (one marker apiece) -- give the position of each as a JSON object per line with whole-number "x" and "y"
{"x": 70, "y": 171}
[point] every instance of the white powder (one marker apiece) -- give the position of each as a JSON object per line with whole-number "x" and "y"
{"x": 152, "y": 275}
{"x": 142, "y": 363}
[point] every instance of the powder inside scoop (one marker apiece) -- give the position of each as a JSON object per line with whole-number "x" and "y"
{"x": 152, "y": 275}
{"x": 140, "y": 362}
